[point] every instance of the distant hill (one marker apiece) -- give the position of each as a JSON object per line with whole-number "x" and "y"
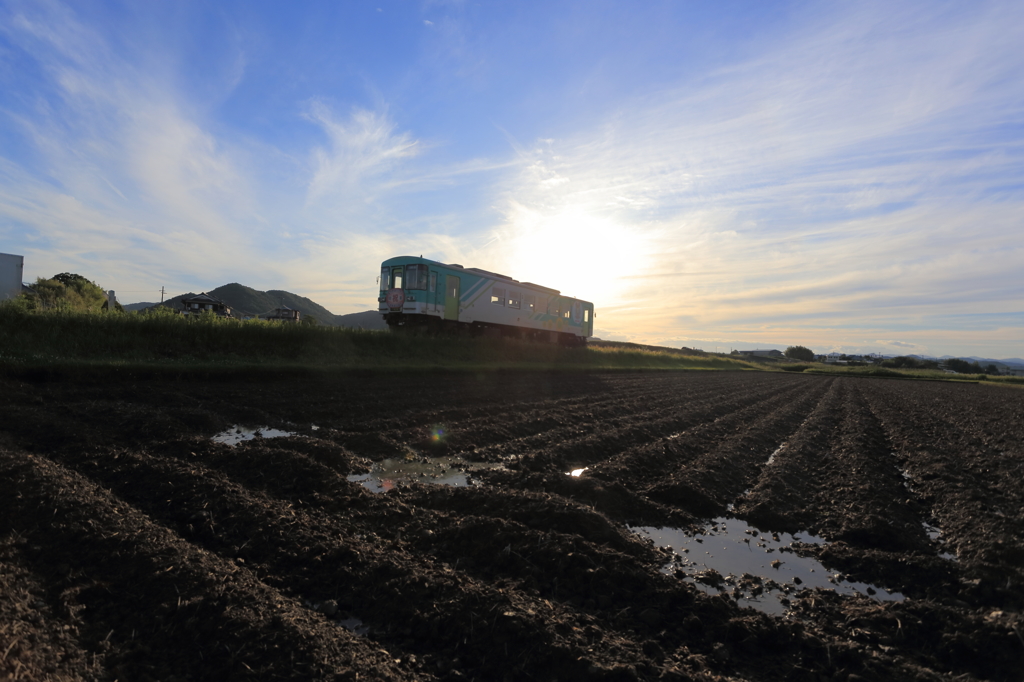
{"x": 371, "y": 319}
{"x": 246, "y": 301}
{"x": 1014, "y": 363}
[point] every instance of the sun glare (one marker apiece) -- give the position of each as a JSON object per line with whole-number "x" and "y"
{"x": 583, "y": 256}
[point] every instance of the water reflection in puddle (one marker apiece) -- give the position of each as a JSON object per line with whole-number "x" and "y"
{"x": 760, "y": 569}
{"x": 451, "y": 470}
{"x": 330, "y": 609}
{"x": 935, "y": 535}
{"x": 353, "y": 624}
{"x": 236, "y": 434}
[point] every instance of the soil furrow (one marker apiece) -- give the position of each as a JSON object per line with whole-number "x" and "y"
{"x": 149, "y": 604}
{"x": 716, "y": 462}
{"x": 115, "y": 503}
{"x": 306, "y": 554}
{"x": 962, "y": 478}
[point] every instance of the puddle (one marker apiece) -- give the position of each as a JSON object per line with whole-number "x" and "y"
{"x": 908, "y": 478}
{"x": 577, "y": 472}
{"x": 451, "y": 470}
{"x": 732, "y": 506}
{"x": 354, "y": 624}
{"x": 760, "y": 570}
{"x": 935, "y": 535}
{"x": 330, "y": 609}
{"x": 771, "y": 457}
{"x": 236, "y": 434}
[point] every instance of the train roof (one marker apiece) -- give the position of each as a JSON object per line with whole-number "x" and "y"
{"x": 485, "y": 273}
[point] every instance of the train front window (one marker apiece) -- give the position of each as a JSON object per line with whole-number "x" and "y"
{"x": 385, "y": 278}
{"x": 396, "y": 278}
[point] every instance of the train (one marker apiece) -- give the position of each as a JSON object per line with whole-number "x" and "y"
{"x": 422, "y": 295}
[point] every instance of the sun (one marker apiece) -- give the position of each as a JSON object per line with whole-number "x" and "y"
{"x": 584, "y": 256}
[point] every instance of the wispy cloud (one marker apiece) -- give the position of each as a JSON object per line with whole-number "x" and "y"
{"x": 857, "y": 175}
{"x": 362, "y": 148}
{"x": 847, "y": 174}
{"x": 126, "y": 170}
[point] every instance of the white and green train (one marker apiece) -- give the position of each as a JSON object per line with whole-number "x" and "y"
{"x": 421, "y": 294}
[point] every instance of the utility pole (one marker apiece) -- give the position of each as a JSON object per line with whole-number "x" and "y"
{"x": 161, "y": 294}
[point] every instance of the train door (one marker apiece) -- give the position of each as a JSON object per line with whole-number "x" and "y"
{"x": 452, "y": 288}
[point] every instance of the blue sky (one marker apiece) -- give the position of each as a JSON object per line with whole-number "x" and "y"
{"x": 845, "y": 176}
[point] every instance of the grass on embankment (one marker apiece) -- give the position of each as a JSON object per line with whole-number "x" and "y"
{"x": 893, "y": 373}
{"x": 74, "y": 344}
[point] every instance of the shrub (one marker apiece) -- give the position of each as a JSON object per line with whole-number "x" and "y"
{"x": 800, "y": 353}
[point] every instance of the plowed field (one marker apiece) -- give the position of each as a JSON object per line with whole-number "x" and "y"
{"x": 134, "y": 546}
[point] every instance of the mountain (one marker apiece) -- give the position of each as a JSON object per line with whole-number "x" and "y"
{"x": 1015, "y": 363}
{"x": 133, "y": 307}
{"x": 246, "y": 301}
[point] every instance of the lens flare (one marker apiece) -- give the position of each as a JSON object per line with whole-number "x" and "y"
{"x": 438, "y": 434}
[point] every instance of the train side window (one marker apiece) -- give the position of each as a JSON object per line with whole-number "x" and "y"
{"x": 433, "y": 282}
{"x": 396, "y": 278}
{"x": 416, "y": 277}
{"x": 553, "y": 307}
{"x": 513, "y": 299}
{"x": 565, "y": 314}
{"x": 586, "y": 314}
{"x": 531, "y": 303}
{"x": 498, "y": 296}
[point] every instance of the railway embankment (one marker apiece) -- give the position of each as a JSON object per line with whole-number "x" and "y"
{"x": 164, "y": 345}
{"x": 167, "y": 345}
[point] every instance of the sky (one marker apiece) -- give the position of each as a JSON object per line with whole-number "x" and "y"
{"x": 843, "y": 176}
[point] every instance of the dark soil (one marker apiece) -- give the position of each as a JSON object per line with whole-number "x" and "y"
{"x": 134, "y": 547}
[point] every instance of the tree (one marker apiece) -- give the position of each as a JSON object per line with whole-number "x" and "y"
{"x": 907, "y": 362}
{"x": 959, "y": 366}
{"x": 49, "y": 292}
{"x": 70, "y": 293}
{"x": 800, "y": 353}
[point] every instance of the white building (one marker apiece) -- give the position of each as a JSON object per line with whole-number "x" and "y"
{"x": 12, "y": 270}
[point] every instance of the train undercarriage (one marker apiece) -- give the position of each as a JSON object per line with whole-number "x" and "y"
{"x": 427, "y": 325}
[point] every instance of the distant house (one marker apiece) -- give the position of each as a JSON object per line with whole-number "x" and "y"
{"x": 763, "y": 353}
{"x": 196, "y": 305}
{"x": 834, "y": 357}
{"x": 284, "y": 314}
